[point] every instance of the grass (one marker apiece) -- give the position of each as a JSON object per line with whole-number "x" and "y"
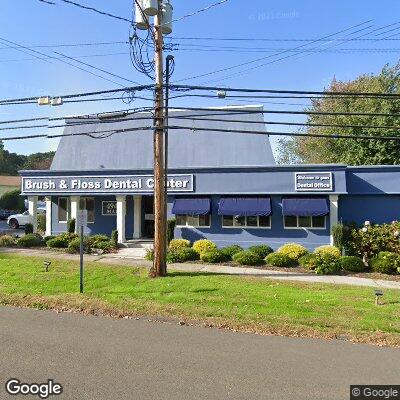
{"x": 246, "y": 304}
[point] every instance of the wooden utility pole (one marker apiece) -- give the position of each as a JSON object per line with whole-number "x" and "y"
{"x": 160, "y": 217}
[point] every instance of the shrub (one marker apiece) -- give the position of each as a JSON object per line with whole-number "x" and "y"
{"x": 177, "y": 244}
{"x": 341, "y": 236}
{"x": 47, "y": 238}
{"x": 30, "y": 240}
{"x": 293, "y": 250}
{"x": 149, "y": 255}
{"x": 334, "y": 251}
{"x": 7, "y": 241}
{"x": 41, "y": 222}
{"x": 230, "y": 251}
{"x": 95, "y": 240}
{"x": 385, "y": 262}
{"x": 214, "y": 256}
{"x": 247, "y": 257}
{"x": 308, "y": 261}
{"x": 261, "y": 250}
{"x": 368, "y": 242}
{"x": 171, "y": 229}
{"x": 326, "y": 263}
{"x": 182, "y": 255}
{"x": 106, "y": 246}
{"x": 114, "y": 238}
{"x": 61, "y": 241}
{"x": 74, "y": 245}
{"x": 203, "y": 245}
{"x": 12, "y": 200}
{"x": 352, "y": 263}
{"x": 71, "y": 225}
{"x": 281, "y": 260}
{"x": 28, "y": 229}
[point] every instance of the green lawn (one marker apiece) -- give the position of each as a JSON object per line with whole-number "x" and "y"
{"x": 251, "y": 304}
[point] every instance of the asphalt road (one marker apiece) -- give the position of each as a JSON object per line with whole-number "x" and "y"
{"x": 103, "y": 358}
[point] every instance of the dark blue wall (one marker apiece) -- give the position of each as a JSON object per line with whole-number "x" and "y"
{"x": 378, "y": 209}
{"x": 274, "y": 237}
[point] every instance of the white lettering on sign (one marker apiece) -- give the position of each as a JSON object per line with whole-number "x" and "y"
{"x": 316, "y": 181}
{"x": 103, "y": 184}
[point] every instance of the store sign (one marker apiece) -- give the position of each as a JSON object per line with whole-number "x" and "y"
{"x": 314, "y": 181}
{"x": 109, "y": 208}
{"x": 102, "y": 185}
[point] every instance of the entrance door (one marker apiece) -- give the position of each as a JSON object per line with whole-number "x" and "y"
{"x": 148, "y": 211}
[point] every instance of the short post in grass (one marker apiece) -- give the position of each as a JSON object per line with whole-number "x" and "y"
{"x": 81, "y": 223}
{"x": 378, "y": 295}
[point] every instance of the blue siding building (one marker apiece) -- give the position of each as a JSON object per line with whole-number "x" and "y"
{"x": 221, "y": 186}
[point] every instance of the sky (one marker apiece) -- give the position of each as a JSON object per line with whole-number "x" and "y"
{"x": 37, "y": 23}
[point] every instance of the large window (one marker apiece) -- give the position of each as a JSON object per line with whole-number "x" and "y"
{"x": 195, "y": 221}
{"x": 63, "y": 209}
{"x": 87, "y": 203}
{"x": 237, "y": 221}
{"x": 292, "y": 222}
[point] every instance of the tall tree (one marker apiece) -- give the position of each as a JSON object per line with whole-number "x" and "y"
{"x": 311, "y": 150}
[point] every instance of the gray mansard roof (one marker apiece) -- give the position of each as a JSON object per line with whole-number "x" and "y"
{"x": 188, "y": 147}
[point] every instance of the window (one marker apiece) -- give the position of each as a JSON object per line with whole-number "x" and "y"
{"x": 195, "y": 221}
{"x": 238, "y": 221}
{"x": 63, "y": 209}
{"x": 87, "y": 203}
{"x": 292, "y": 222}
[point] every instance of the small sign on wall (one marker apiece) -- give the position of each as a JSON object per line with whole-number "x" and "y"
{"x": 109, "y": 208}
{"x": 314, "y": 181}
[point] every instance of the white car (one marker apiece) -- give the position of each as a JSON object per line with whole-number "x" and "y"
{"x": 17, "y": 220}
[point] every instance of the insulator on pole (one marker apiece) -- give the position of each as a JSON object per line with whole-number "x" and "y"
{"x": 140, "y": 21}
{"x": 166, "y": 21}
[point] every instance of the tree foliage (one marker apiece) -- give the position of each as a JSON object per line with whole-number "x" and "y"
{"x": 11, "y": 163}
{"x": 311, "y": 150}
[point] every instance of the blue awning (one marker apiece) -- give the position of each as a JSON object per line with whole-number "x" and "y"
{"x": 193, "y": 206}
{"x": 305, "y": 207}
{"x": 245, "y": 206}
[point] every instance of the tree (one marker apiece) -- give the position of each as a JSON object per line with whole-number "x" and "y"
{"x": 39, "y": 161}
{"x": 311, "y": 150}
{"x": 12, "y": 201}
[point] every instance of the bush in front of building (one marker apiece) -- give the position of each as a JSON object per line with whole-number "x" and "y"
{"x": 71, "y": 225}
{"x": 182, "y": 255}
{"x": 261, "y": 250}
{"x": 47, "y": 238}
{"x": 171, "y": 223}
{"x": 280, "y": 260}
{"x": 368, "y": 241}
{"x": 114, "y": 238}
{"x": 177, "y": 244}
{"x": 61, "y": 241}
{"x": 74, "y": 245}
{"x": 247, "y": 257}
{"x": 230, "y": 251}
{"x": 293, "y": 251}
{"x": 352, "y": 264}
{"x": 105, "y": 247}
{"x": 41, "y": 222}
{"x": 7, "y": 241}
{"x": 385, "y": 262}
{"x": 308, "y": 261}
{"x": 149, "y": 256}
{"x": 214, "y": 256}
{"x": 28, "y": 229}
{"x": 12, "y": 200}
{"x": 334, "y": 251}
{"x": 30, "y": 240}
{"x": 203, "y": 245}
{"x": 326, "y": 264}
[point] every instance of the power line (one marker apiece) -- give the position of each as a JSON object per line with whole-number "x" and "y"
{"x": 263, "y": 58}
{"x": 199, "y": 11}
{"x": 71, "y": 45}
{"x": 150, "y": 128}
{"x": 257, "y": 39}
{"x": 107, "y": 14}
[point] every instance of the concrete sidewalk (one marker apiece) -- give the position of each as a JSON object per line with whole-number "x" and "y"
{"x": 121, "y": 259}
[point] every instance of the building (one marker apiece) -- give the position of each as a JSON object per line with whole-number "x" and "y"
{"x": 222, "y": 186}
